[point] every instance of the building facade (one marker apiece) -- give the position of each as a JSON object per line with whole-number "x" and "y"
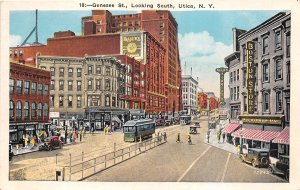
{"x": 202, "y": 101}
{"x": 271, "y": 57}
{"x": 29, "y": 101}
{"x": 189, "y": 90}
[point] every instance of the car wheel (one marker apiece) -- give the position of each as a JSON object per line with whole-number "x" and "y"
{"x": 60, "y": 145}
{"x": 271, "y": 170}
{"x": 50, "y": 148}
{"x": 253, "y": 163}
{"x": 286, "y": 175}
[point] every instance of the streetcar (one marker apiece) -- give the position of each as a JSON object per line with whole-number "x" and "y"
{"x": 185, "y": 119}
{"x": 136, "y": 129}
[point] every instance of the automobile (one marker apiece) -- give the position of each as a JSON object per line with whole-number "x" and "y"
{"x": 160, "y": 122}
{"x": 11, "y": 154}
{"x": 51, "y": 143}
{"x": 281, "y": 167}
{"x": 168, "y": 122}
{"x": 197, "y": 124}
{"x": 256, "y": 157}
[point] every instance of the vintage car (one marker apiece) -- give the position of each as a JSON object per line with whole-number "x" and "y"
{"x": 11, "y": 154}
{"x": 51, "y": 143}
{"x": 256, "y": 157}
{"x": 160, "y": 122}
{"x": 281, "y": 167}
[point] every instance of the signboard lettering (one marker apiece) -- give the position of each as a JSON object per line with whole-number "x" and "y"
{"x": 250, "y": 76}
{"x": 222, "y": 71}
{"x": 132, "y": 45}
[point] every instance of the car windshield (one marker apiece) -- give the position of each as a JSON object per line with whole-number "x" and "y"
{"x": 47, "y": 140}
{"x": 264, "y": 154}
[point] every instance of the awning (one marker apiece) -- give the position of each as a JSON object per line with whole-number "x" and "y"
{"x": 283, "y": 137}
{"x": 115, "y": 118}
{"x": 231, "y": 127}
{"x": 246, "y": 133}
{"x": 265, "y": 136}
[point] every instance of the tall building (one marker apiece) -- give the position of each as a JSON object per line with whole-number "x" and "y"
{"x": 162, "y": 26}
{"x": 269, "y": 100}
{"x": 29, "y": 101}
{"x": 189, "y": 90}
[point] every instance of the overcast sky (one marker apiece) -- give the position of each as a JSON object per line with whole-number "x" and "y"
{"x": 205, "y": 37}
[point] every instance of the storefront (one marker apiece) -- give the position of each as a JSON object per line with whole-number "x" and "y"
{"x": 283, "y": 142}
{"x": 17, "y": 130}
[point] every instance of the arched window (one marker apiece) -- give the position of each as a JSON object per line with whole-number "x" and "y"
{"x": 11, "y": 110}
{"x": 19, "y": 110}
{"x": 40, "y": 107}
{"x": 26, "y": 110}
{"x": 33, "y": 110}
{"x": 45, "y": 109}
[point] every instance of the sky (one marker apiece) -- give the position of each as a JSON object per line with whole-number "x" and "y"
{"x": 205, "y": 37}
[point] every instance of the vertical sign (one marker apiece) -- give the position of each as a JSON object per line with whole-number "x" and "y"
{"x": 222, "y": 71}
{"x": 250, "y": 76}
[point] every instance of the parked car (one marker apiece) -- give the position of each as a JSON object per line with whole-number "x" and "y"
{"x": 11, "y": 154}
{"x": 256, "y": 157}
{"x": 281, "y": 167}
{"x": 160, "y": 122}
{"x": 51, "y": 143}
{"x": 168, "y": 122}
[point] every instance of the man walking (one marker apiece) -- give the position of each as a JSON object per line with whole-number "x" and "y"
{"x": 178, "y": 138}
{"x": 223, "y": 136}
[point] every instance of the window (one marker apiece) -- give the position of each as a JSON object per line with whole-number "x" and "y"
{"x": 61, "y": 72}
{"x": 266, "y": 102}
{"x": 278, "y": 69}
{"x": 245, "y": 104}
{"x": 70, "y": 72}
{"x": 79, "y": 85}
{"x": 98, "y": 70}
{"x": 61, "y": 85}
{"x": 11, "y": 109}
{"x": 244, "y": 77}
{"x": 33, "y": 88}
{"x": 70, "y": 101}
{"x": 288, "y": 44}
{"x": 79, "y": 72}
{"x": 70, "y": 85}
{"x": 19, "y": 110}
{"x": 234, "y": 93}
{"x": 288, "y": 73}
{"x": 33, "y": 110}
{"x": 237, "y": 74}
{"x": 46, "y": 90}
{"x": 90, "y": 69}
{"x": 234, "y": 76}
{"x": 98, "y": 84}
{"x": 231, "y": 94}
{"x": 107, "y": 85}
{"x": 21, "y": 52}
{"x": 238, "y": 93}
{"x": 52, "y": 84}
{"x": 11, "y": 85}
{"x": 78, "y": 101}
{"x": 26, "y": 110}
{"x": 90, "y": 84}
{"x": 278, "y": 39}
{"x": 45, "y": 110}
{"x": 278, "y": 101}
{"x": 265, "y": 72}
{"x": 61, "y": 101}
{"x": 40, "y": 89}
{"x": 51, "y": 100}
{"x": 265, "y": 45}
{"x": 107, "y": 101}
{"x": 231, "y": 79}
{"x": 52, "y": 71}
{"x": 40, "y": 108}
{"x": 19, "y": 87}
{"x": 107, "y": 70}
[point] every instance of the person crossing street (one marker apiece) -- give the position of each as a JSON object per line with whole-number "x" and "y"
{"x": 189, "y": 139}
{"x": 178, "y": 138}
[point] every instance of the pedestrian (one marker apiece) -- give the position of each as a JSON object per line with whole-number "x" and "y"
{"x": 219, "y": 135}
{"x": 26, "y": 142}
{"x": 165, "y": 136}
{"x": 223, "y": 136}
{"x": 207, "y": 136}
{"x": 178, "y": 137}
{"x": 80, "y": 136}
{"x": 70, "y": 136}
{"x": 33, "y": 141}
{"x": 158, "y": 137}
{"x": 189, "y": 139}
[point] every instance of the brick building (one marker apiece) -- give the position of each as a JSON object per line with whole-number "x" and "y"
{"x": 29, "y": 101}
{"x": 202, "y": 101}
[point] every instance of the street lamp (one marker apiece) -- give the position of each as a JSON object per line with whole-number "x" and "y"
{"x": 241, "y": 137}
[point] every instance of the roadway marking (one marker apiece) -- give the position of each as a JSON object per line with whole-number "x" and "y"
{"x": 226, "y": 167}
{"x": 190, "y": 167}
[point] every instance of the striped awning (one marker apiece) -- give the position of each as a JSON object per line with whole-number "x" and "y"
{"x": 265, "y": 136}
{"x": 231, "y": 127}
{"x": 246, "y": 133}
{"x": 283, "y": 137}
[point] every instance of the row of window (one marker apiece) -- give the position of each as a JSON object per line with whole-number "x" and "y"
{"x": 27, "y": 111}
{"x": 90, "y": 71}
{"x": 278, "y": 71}
{"x": 27, "y": 87}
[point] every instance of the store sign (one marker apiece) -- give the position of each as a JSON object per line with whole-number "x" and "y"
{"x": 131, "y": 44}
{"x": 271, "y": 120}
{"x": 250, "y": 76}
{"x": 222, "y": 71}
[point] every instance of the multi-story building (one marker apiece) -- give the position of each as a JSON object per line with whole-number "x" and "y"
{"x": 29, "y": 101}
{"x": 271, "y": 97}
{"x": 92, "y": 85}
{"x": 189, "y": 94}
{"x": 202, "y": 101}
{"x": 162, "y": 26}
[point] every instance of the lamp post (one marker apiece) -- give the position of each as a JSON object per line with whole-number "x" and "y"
{"x": 241, "y": 137}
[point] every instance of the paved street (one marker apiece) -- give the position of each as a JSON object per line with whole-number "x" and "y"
{"x": 171, "y": 162}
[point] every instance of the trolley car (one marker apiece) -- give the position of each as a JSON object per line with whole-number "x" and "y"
{"x": 185, "y": 120}
{"x": 136, "y": 129}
